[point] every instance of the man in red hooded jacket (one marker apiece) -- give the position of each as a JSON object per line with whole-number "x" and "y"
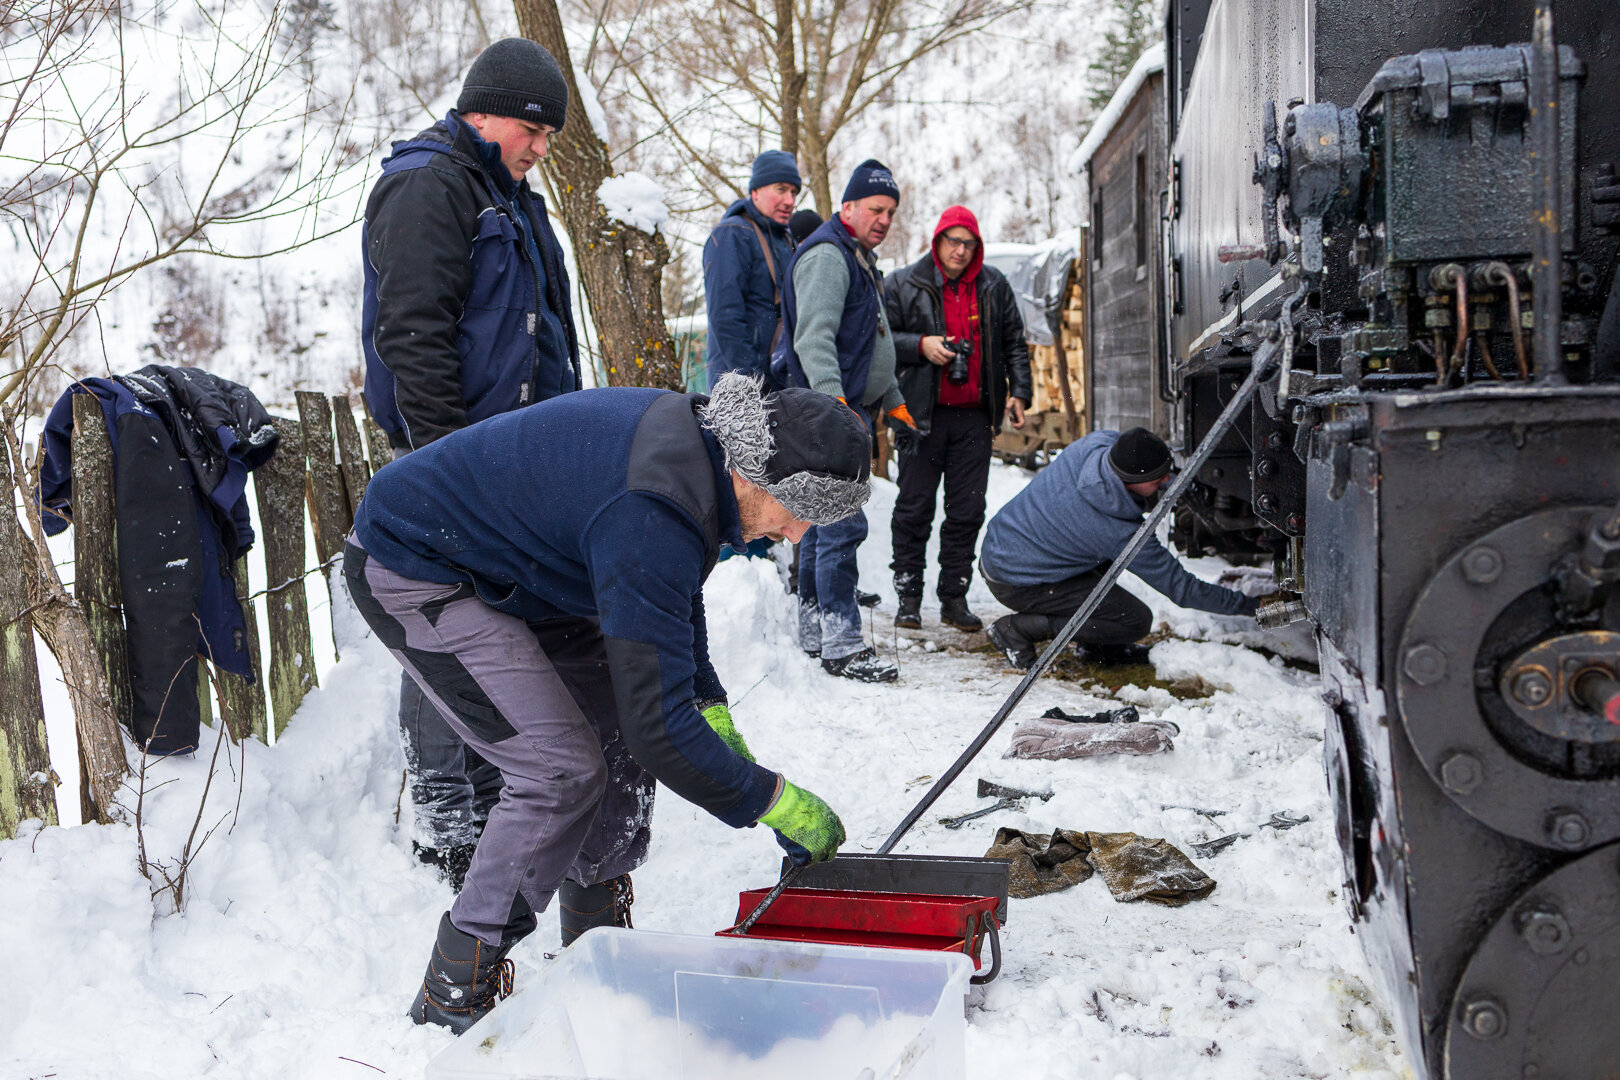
{"x": 948, "y": 306}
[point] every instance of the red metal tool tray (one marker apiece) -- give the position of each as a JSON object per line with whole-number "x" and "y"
{"x": 883, "y": 920}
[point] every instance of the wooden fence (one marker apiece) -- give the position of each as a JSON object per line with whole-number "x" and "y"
{"x": 321, "y": 468}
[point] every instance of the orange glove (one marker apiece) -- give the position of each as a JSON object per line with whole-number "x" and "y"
{"x": 905, "y": 434}
{"x": 902, "y": 414}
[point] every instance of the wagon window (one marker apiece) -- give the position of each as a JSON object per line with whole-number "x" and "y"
{"x": 1143, "y": 211}
{"x": 1097, "y": 228}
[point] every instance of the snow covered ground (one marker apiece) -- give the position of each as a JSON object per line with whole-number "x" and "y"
{"x": 307, "y": 922}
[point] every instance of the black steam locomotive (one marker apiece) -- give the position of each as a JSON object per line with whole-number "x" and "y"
{"x": 1419, "y": 202}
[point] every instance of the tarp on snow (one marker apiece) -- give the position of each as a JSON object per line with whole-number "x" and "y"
{"x": 1037, "y": 274}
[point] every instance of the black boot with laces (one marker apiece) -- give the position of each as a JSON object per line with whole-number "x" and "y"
{"x": 581, "y": 907}
{"x": 465, "y": 979}
{"x": 863, "y": 666}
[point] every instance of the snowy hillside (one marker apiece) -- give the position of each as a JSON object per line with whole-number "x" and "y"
{"x": 987, "y": 121}
{"x": 307, "y": 921}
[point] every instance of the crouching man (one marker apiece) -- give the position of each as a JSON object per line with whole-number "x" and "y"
{"x": 1048, "y": 548}
{"x": 540, "y": 576}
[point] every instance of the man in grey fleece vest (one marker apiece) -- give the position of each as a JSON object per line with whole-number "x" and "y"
{"x": 833, "y": 308}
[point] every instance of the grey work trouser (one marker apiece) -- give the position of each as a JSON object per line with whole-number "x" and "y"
{"x": 535, "y": 701}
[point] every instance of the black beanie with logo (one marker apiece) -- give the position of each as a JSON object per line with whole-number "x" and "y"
{"x": 516, "y": 77}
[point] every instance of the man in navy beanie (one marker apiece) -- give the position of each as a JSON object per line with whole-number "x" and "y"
{"x": 836, "y": 339}
{"x": 1048, "y": 548}
{"x": 465, "y": 316}
{"x": 743, "y": 263}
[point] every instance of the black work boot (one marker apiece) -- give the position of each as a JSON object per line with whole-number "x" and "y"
{"x": 867, "y": 599}
{"x": 450, "y": 862}
{"x": 909, "y": 615}
{"x": 1015, "y": 635}
{"x": 465, "y": 978}
{"x": 581, "y": 907}
{"x": 863, "y": 666}
{"x": 953, "y": 611}
{"x": 1113, "y": 655}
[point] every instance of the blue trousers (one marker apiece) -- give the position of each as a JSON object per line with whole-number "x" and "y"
{"x": 829, "y": 618}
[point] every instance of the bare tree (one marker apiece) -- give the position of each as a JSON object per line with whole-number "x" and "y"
{"x": 794, "y": 73}
{"x": 620, "y": 266}
{"x": 132, "y": 139}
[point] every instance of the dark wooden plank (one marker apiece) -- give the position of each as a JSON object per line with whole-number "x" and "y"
{"x": 241, "y": 701}
{"x": 26, "y": 787}
{"x": 381, "y": 451}
{"x": 96, "y": 583}
{"x": 279, "y": 486}
{"x": 326, "y": 503}
{"x": 351, "y": 455}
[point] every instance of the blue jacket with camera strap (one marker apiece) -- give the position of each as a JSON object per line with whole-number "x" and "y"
{"x": 466, "y": 312}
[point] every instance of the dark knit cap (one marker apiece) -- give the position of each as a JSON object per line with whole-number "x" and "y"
{"x": 774, "y": 167}
{"x": 516, "y": 77}
{"x": 871, "y": 177}
{"x": 810, "y": 451}
{"x": 1139, "y": 456}
{"x": 803, "y": 223}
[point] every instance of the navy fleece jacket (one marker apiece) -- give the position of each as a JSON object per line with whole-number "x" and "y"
{"x": 573, "y": 507}
{"x": 1075, "y": 516}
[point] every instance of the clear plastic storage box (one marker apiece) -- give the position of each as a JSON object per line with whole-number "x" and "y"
{"x": 633, "y": 1005}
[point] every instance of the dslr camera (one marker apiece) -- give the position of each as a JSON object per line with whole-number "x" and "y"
{"x": 961, "y": 353}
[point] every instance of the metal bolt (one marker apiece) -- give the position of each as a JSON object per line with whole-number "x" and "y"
{"x": 1546, "y": 932}
{"x": 1296, "y": 523}
{"x": 1275, "y": 440}
{"x": 1482, "y": 565}
{"x": 1268, "y": 504}
{"x": 1484, "y": 1019}
{"x": 1264, "y": 467}
{"x": 1425, "y": 664}
{"x": 1569, "y": 829}
{"x": 1461, "y": 773}
{"x": 1532, "y": 687}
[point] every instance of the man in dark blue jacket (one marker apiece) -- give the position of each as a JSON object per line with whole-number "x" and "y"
{"x": 561, "y": 628}
{"x": 743, "y": 263}
{"x": 466, "y": 316}
{"x": 1048, "y": 548}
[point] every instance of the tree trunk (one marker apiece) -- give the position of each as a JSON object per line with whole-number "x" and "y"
{"x": 793, "y": 80}
{"x": 620, "y": 267}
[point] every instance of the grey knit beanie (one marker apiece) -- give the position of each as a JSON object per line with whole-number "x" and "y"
{"x": 809, "y": 451}
{"x": 516, "y": 77}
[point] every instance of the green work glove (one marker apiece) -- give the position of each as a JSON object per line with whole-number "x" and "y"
{"x": 719, "y": 718}
{"x": 806, "y": 827}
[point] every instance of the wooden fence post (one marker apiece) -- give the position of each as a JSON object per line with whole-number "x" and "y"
{"x": 241, "y": 701}
{"x": 326, "y": 506}
{"x": 99, "y": 718}
{"x": 351, "y": 453}
{"x": 279, "y": 484}
{"x": 378, "y": 446}
{"x": 27, "y": 789}
{"x": 96, "y": 583}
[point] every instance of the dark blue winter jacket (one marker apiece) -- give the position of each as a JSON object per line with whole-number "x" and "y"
{"x": 183, "y": 441}
{"x": 466, "y": 312}
{"x": 611, "y": 504}
{"x": 740, "y": 290}
{"x": 1075, "y": 516}
{"x": 857, "y": 329}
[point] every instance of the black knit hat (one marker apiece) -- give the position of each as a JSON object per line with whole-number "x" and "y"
{"x": 516, "y": 77}
{"x": 803, "y": 223}
{"x": 1139, "y": 456}
{"x": 810, "y": 451}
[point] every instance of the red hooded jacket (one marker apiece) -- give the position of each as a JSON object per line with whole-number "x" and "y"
{"x": 961, "y": 303}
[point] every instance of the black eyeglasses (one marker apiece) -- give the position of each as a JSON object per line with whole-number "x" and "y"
{"x": 966, "y": 245}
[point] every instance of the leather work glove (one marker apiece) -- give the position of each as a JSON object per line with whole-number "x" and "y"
{"x": 719, "y": 718}
{"x": 806, "y": 827}
{"x": 904, "y": 428}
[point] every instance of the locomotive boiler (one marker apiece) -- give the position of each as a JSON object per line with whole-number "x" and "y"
{"x": 1419, "y": 202}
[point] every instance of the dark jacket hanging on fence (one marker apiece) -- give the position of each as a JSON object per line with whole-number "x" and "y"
{"x": 465, "y": 313}
{"x": 183, "y": 442}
